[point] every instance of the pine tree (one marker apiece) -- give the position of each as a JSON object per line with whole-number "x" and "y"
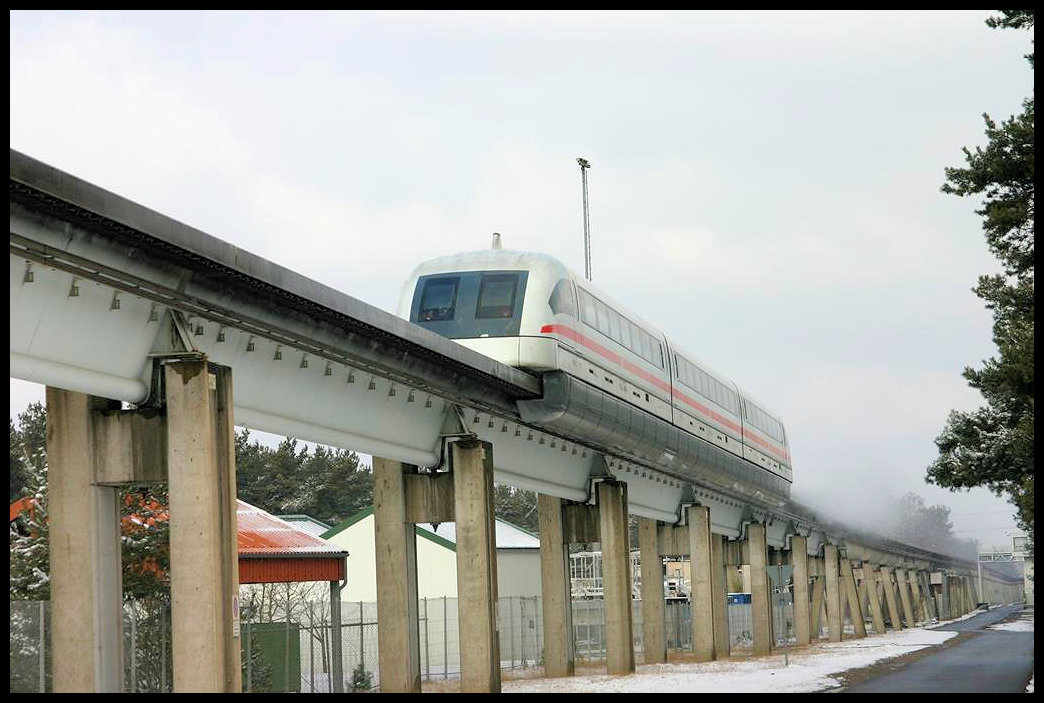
{"x": 993, "y": 446}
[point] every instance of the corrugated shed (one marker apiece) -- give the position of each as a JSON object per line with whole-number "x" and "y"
{"x": 274, "y": 551}
{"x": 263, "y": 534}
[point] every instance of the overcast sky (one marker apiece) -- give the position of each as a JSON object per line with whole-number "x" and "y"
{"x": 764, "y": 186}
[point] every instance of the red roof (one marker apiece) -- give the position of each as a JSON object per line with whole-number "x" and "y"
{"x": 270, "y": 550}
{"x": 262, "y": 534}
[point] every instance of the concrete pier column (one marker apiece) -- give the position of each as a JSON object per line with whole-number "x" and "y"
{"x": 870, "y": 584}
{"x": 84, "y": 544}
{"x": 802, "y": 619}
{"x": 204, "y": 566}
{"x": 915, "y": 596}
{"x": 759, "y": 589}
{"x": 929, "y": 598}
{"x": 654, "y": 626}
{"x": 852, "y": 596}
{"x": 701, "y": 598}
{"x": 891, "y": 598}
{"x": 818, "y": 596}
{"x": 476, "y": 567}
{"x": 395, "y": 539}
{"x": 554, "y": 586}
{"x": 616, "y": 578}
{"x": 833, "y": 593}
{"x": 719, "y": 598}
{"x": 903, "y": 585}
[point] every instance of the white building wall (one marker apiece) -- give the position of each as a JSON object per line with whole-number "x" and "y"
{"x": 518, "y": 572}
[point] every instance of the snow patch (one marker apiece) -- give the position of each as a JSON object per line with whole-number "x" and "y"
{"x": 811, "y": 669}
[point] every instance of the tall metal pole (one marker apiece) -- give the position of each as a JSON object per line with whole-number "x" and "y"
{"x": 584, "y": 165}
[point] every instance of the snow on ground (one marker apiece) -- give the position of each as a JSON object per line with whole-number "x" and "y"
{"x": 1017, "y": 626}
{"x": 1029, "y": 686}
{"x": 1023, "y": 624}
{"x": 810, "y": 669}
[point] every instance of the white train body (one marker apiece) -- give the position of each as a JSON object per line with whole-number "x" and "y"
{"x": 529, "y": 311}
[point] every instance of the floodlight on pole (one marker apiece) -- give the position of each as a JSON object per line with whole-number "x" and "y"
{"x": 584, "y": 165}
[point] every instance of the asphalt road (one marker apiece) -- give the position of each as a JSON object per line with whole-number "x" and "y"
{"x": 988, "y": 661}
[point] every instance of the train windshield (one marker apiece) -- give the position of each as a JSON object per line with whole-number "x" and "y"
{"x": 440, "y": 297}
{"x": 470, "y": 303}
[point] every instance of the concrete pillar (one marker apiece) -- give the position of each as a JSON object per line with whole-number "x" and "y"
{"x": 719, "y": 598}
{"x": 854, "y": 606}
{"x": 818, "y": 596}
{"x": 915, "y": 596}
{"x": 654, "y": 626}
{"x": 870, "y": 584}
{"x": 476, "y": 567}
{"x": 84, "y": 544}
{"x": 395, "y": 539}
{"x": 833, "y": 593}
{"x": 554, "y": 586}
{"x": 204, "y": 565}
{"x": 802, "y": 619}
{"x": 759, "y": 589}
{"x": 902, "y": 584}
{"x": 616, "y": 578}
{"x": 701, "y": 598}
{"x": 891, "y": 598}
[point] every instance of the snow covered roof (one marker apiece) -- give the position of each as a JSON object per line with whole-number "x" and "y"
{"x": 306, "y": 523}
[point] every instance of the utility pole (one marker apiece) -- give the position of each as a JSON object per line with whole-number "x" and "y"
{"x": 584, "y": 165}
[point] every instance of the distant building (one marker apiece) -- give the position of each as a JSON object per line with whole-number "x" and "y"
{"x": 518, "y": 559}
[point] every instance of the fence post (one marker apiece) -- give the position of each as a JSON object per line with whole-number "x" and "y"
{"x": 427, "y": 658}
{"x": 286, "y": 652}
{"x": 43, "y": 648}
{"x": 134, "y": 651}
{"x": 311, "y": 647}
{"x": 163, "y": 649}
{"x": 362, "y": 643}
{"x": 250, "y": 661}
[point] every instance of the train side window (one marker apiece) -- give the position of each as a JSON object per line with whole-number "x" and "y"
{"x": 614, "y": 326}
{"x": 602, "y": 313}
{"x": 562, "y": 301}
{"x": 588, "y": 309}
{"x": 439, "y": 300}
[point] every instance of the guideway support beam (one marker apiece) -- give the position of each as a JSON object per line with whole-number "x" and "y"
{"x": 799, "y": 560}
{"x": 904, "y": 596}
{"x": 84, "y": 544}
{"x": 891, "y": 598}
{"x": 833, "y": 593}
{"x": 403, "y": 497}
{"x": 759, "y": 587}
{"x": 559, "y": 658}
{"x": 702, "y": 595}
{"x": 93, "y": 449}
{"x": 616, "y": 578}
{"x": 855, "y": 608}
{"x": 654, "y": 630}
{"x": 204, "y": 560}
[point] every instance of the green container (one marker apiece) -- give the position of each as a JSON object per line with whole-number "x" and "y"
{"x": 275, "y": 667}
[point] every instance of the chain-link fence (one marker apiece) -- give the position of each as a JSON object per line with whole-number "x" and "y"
{"x": 299, "y": 654}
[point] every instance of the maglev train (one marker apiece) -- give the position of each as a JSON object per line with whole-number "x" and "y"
{"x": 609, "y": 377}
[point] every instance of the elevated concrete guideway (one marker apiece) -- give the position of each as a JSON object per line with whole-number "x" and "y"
{"x": 111, "y": 301}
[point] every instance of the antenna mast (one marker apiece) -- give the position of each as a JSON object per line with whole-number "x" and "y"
{"x": 584, "y": 165}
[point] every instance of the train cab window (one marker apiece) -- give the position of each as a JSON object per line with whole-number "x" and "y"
{"x": 562, "y": 301}
{"x": 439, "y": 299}
{"x": 496, "y": 298}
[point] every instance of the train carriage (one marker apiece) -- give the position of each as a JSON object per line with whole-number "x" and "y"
{"x": 608, "y": 375}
